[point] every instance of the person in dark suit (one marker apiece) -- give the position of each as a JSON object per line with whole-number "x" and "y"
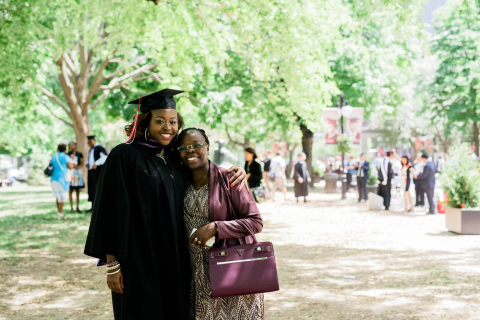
{"x": 385, "y": 175}
{"x": 96, "y": 159}
{"x": 419, "y": 192}
{"x": 427, "y": 179}
{"x": 362, "y": 177}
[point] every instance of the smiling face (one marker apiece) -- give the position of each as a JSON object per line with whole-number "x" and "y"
{"x": 197, "y": 156}
{"x": 163, "y": 125}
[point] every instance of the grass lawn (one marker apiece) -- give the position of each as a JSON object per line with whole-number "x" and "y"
{"x": 41, "y": 263}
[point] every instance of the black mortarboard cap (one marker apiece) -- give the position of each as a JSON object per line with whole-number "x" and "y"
{"x": 90, "y": 137}
{"x": 159, "y": 100}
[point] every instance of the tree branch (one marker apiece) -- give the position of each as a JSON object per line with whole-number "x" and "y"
{"x": 254, "y": 7}
{"x": 99, "y": 99}
{"x": 117, "y": 82}
{"x": 55, "y": 99}
{"x": 53, "y": 113}
{"x": 70, "y": 64}
{"x": 203, "y": 17}
{"x": 231, "y": 139}
{"x": 130, "y": 64}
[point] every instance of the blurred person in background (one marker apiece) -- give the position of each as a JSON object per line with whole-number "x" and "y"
{"x": 350, "y": 167}
{"x": 385, "y": 175}
{"x": 301, "y": 177}
{"x": 266, "y": 168}
{"x": 277, "y": 175}
{"x": 61, "y": 162}
{"x": 362, "y": 177}
{"x": 405, "y": 174}
{"x": 419, "y": 192}
{"x": 252, "y": 168}
{"x": 440, "y": 164}
{"x": 427, "y": 179}
{"x": 96, "y": 159}
{"x": 77, "y": 182}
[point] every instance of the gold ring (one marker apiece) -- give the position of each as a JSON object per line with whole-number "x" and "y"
{"x": 199, "y": 242}
{"x": 196, "y": 239}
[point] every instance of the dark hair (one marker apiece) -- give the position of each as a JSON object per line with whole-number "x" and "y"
{"x": 69, "y": 150}
{"x": 251, "y": 151}
{"x": 62, "y": 147}
{"x": 406, "y": 158}
{"x": 143, "y": 122}
{"x": 389, "y": 153}
{"x": 362, "y": 154}
{"x": 184, "y": 132}
{"x": 425, "y": 156}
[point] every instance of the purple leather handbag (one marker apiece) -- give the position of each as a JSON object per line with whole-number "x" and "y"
{"x": 243, "y": 269}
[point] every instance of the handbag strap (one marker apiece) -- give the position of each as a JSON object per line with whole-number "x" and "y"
{"x": 245, "y": 225}
{"x": 56, "y": 156}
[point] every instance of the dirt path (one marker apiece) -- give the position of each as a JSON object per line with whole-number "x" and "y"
{"x": 397, "y": 265}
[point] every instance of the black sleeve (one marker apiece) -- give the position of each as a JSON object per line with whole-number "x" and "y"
{"x": 109, "y": 225}
{"x": 256, "y": 171}
{"x": 297, "y": 174}
{"x": 102, "y": 150}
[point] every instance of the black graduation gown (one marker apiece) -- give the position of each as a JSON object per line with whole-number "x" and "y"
{"x": 301, "y": 189}
{"x": 138, "y": 217}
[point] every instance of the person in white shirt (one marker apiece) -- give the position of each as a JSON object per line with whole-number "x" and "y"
{"x": 277, "y": 175}
{"x": 96, "y": 158}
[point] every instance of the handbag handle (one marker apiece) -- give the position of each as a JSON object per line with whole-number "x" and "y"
{"x": 246, "y": 227}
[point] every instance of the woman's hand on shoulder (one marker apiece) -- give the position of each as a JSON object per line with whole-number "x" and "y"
{"x": 115, "y": 282}
{"x": 240, "y": 176}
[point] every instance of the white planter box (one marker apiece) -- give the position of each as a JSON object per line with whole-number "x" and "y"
{"x": 463, "y": 221}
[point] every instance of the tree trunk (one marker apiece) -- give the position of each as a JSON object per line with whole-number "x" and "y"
{"x": 307, "y": 145}
{"x": 82, "y": 146}
{"x": 475, "y": 137}
{"x": 82, "y": 78}
{"x": 291, "y": 150}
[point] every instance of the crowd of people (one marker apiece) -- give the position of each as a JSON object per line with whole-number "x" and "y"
{"x": 416, "y": 179}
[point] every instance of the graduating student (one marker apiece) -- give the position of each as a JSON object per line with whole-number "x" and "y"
{"x": 96, "y": 158}
{"x": 137, "y": 221}
{"x": 385, "y": 175}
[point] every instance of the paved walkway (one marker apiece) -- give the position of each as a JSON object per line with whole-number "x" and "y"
{"x": 337, "y": 260}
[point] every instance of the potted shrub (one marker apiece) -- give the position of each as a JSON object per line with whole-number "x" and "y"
{"x": 461, "y": 183}
{"x": 372, "y": 182}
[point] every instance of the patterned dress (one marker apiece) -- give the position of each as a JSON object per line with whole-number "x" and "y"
{"x": 202, "y": 306}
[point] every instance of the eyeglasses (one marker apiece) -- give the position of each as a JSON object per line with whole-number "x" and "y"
{"x": 195, "y": 146}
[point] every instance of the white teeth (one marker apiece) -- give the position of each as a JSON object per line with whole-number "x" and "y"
{"x": 166, "y": 135}
{"x": 190, "y": 159}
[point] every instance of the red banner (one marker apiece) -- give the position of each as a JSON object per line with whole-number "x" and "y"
{"x": 330, "y": 118}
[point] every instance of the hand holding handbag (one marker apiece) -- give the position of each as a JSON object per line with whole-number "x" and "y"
{"x": 243, "y": 269}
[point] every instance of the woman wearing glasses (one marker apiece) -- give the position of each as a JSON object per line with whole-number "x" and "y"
{"x": 207, "y": 214}
{"x": 137, "y": 220}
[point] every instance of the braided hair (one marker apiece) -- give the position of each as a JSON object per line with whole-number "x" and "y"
{"x": 184, "y": 132}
